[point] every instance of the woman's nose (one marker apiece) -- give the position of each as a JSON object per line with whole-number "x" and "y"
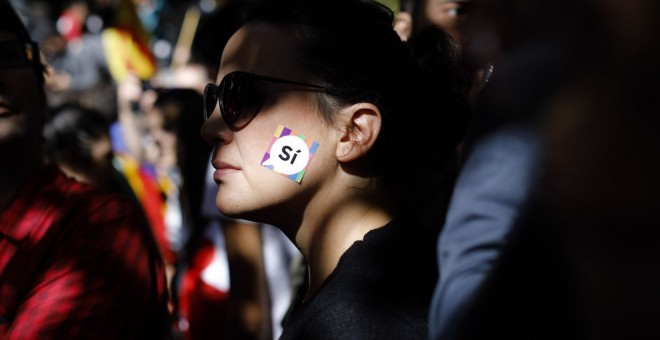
{"x": 214, "y": 130}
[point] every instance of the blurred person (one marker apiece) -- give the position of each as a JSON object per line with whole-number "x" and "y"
{"x": 71, "y": 22}
{"x": 493, "y": 185}
{"x": 130, "y": 147}
{"x": 179, "y": 159}
{"x": 453, "y": 16}
{"x": 502, "y": 155}
{"x": 78, "y": 141}
{"x": 498, "y": 164}
{"x": 79, "y": 72}
{"x": 76, "y": 263}
{"x": 416, "y": 15}
{"x": 90, "y": 68}
{"x": 78, "y": 64}
{"x": 582, "y": 262}
{"x": 333, "y": 80}
{"x": 149, "y": 164}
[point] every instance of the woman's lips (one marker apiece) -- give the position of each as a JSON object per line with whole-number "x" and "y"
{"x": 222, "y": 170}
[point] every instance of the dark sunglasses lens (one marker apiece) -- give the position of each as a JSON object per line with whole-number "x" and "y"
{"x": 210, "y": 99}
{"x": 235, "y": 89}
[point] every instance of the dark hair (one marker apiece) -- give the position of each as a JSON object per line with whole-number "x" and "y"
{"x": 351, "y": 47}
{"x": 71, "y": 131}
{"x": 213, "y": 32}
{"x": 10, "y": 21}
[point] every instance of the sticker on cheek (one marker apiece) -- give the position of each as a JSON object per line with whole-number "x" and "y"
{"x": 289, "y": 153}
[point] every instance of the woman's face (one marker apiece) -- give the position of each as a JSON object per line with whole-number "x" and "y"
{"x": 246, "y": 188}
{"x": 164, "y": 154}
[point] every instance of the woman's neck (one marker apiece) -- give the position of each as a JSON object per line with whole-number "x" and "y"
{"x": 325, "y": 237}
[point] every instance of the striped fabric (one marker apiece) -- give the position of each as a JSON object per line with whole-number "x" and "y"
{"x": 78, "y": 264}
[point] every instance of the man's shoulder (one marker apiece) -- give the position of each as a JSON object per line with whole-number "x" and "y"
{"x": 57, "y": 198}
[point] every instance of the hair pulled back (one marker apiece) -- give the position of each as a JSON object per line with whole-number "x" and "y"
{"x": 350, "y": 46}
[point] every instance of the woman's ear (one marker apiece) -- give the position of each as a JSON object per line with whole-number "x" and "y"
{"x": 361, "y": 128}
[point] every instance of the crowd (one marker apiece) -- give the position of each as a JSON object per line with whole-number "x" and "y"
{"x": 329, "y": 169}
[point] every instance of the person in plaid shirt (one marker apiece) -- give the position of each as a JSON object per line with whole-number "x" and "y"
{"x": 74, "y": 263}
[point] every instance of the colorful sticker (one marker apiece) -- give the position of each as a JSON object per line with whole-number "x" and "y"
{"x": 289, "y": 154}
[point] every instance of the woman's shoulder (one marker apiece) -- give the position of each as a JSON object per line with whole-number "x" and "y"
{"x": 355, "y": 319}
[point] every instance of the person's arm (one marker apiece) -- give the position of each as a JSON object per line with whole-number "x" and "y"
{"x": 487, "y": 199}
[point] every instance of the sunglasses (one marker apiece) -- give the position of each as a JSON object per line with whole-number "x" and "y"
{"x": 234, "y": 93}
{"x": 17, "y": 53}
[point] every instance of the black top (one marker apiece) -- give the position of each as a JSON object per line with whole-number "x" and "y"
{"x": 381, "y": 288}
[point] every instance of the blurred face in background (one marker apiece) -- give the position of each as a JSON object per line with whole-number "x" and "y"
{"x": 448, "y": 14}
{"x": 456, "y": 17}
{"x": 159, "y": 121}
{"x": 22, "y": 105}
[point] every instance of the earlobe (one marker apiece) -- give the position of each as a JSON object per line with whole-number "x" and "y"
{"x": 359, "y": 132}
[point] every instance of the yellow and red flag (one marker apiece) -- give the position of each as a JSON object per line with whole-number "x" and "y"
{"x": 126, "y": 45}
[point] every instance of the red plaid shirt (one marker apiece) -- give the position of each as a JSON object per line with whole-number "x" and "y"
{"x": 75, "y": 263}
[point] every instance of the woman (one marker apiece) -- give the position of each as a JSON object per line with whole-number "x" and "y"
{"x": 322, "y": 127}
